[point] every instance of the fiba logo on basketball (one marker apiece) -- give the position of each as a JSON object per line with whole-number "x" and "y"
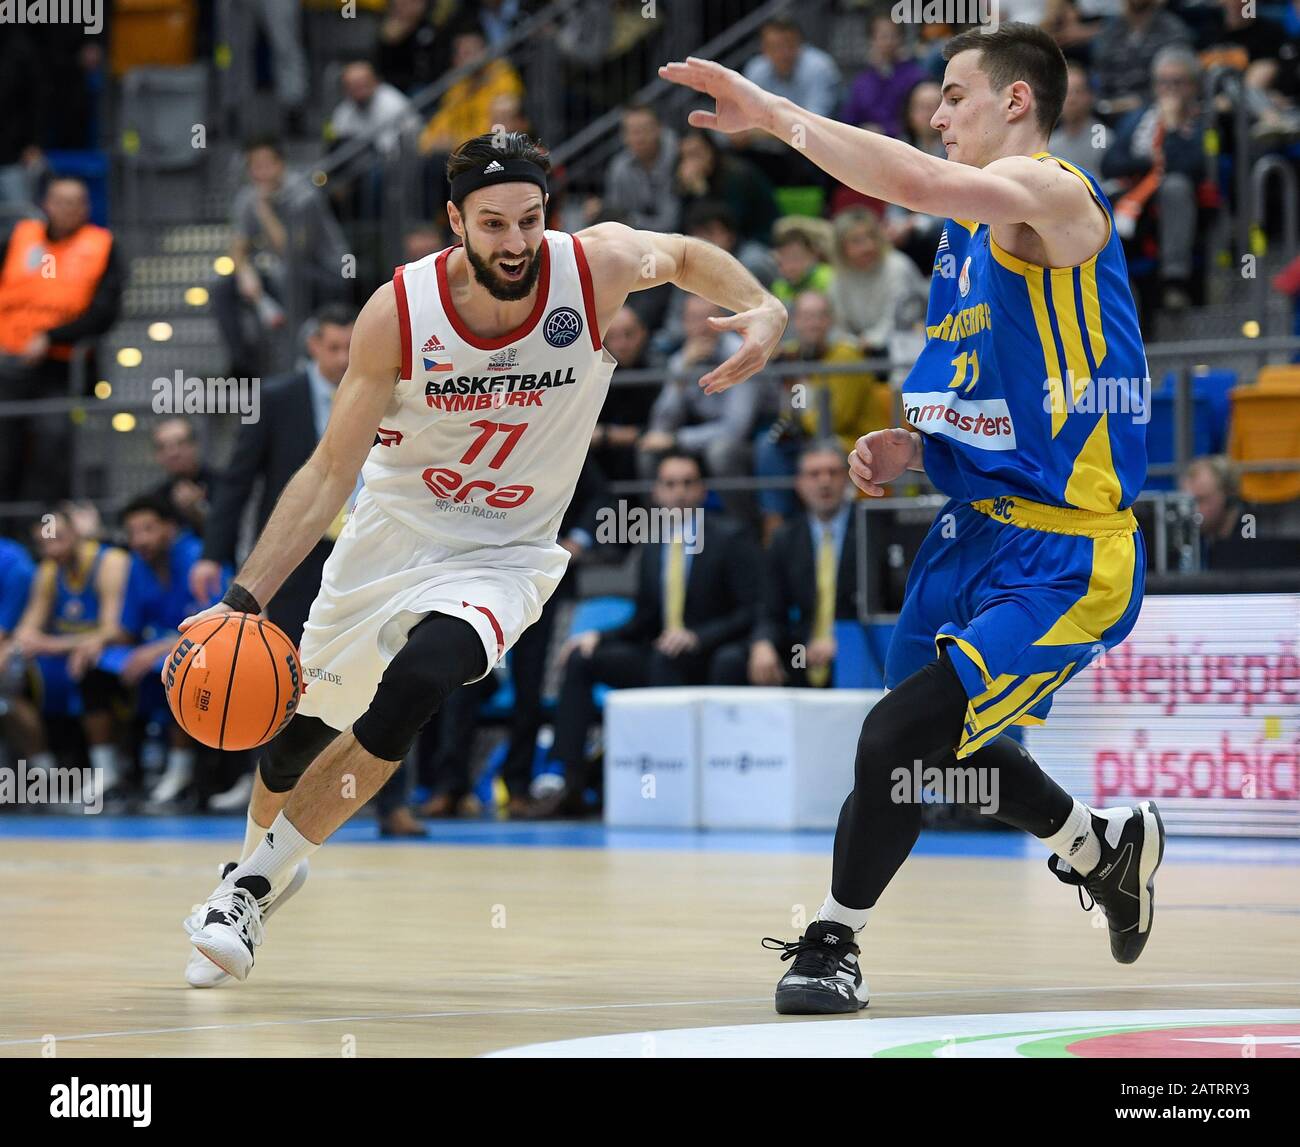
{"x": 562, "y": 327}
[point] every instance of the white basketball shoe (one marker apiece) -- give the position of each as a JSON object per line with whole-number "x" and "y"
{"x": 201, "y": 971}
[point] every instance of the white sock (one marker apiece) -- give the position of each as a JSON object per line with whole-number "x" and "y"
{"x": 105, "y": 757}
{"x": 1075, "y": 842}
{"x": 253, "y": 834}
{"x": 180, "y": 761}
{"x": 276, "y": 857}
{"x": 43, "y": 762}
{"x": 837, "y": 913}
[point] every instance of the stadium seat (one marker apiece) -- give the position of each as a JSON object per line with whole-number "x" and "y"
{"x": 1266, "y": 425}
{"x": 160, "y": 107}
{"x": 601, "y": 613}
{"x": 92, "y": 168}
{"x": 1211, "y": 409}
{"x": 152, "y": 32}
{"x": 854, "y": 668}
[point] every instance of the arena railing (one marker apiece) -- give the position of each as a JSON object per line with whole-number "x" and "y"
{"x": 1267, "y": 169}
{"x": 1241, "y": 354}
{"x": 590, "y": 148}
{"x": 1168, "y": 520}
{"x": 400, "y": 171}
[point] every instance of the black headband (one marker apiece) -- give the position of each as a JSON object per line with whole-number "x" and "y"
{"x": 513, "y": 169}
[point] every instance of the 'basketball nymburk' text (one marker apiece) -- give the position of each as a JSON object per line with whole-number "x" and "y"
{"x": 480, "y": 391}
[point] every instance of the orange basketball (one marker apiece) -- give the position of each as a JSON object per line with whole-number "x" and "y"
{"x": 233, "y": 681}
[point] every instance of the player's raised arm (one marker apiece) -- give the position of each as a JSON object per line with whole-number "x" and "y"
{"x": 1014, "y": 189}
{"x": 314, "y": 495}
{"x": 624, "y": 260}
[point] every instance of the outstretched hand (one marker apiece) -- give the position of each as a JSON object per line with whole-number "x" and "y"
{"x": 762, "y": 327}
{"x": 741, "y": 104}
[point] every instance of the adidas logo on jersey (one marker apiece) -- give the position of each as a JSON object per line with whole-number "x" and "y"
{"x": 493, "y": 167}
{"x": 433, "y": 344}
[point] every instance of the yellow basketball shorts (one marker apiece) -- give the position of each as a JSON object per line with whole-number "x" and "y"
{"x": 1023, "y": 596}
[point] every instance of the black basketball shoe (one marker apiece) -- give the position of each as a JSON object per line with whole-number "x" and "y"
{"x": 825, "y": 978}
{"x": 1123, "y": 883}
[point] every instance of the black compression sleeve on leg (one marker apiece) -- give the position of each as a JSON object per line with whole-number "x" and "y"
{"x": 286, "y": 758}
{"x": 920, "y": 720}
{"x": 1027, "y": 798}
{"x": 441, "y": 653}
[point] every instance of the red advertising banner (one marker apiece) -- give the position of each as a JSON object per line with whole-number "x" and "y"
{"x": 1199, "y": 708}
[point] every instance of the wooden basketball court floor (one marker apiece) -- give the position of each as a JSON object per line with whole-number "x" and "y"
{"x": 577, "y": 940}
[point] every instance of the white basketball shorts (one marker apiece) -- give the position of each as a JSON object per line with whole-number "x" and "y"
{"x": 382, "y": 579}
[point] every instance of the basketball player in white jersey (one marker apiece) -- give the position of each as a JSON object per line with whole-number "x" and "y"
{"x": 475, "y": 380}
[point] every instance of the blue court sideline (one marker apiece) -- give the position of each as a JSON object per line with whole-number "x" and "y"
{"x": 493, "y": 834}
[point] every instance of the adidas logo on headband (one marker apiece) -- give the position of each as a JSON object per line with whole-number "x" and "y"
{"x": 507, "y": 169}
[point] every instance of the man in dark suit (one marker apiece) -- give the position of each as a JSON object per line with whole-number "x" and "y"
{"x": 812, "y": 577}
{"x": 294, "y": 410}
{"x": 697, "y": 597}
{"x": 271, "y": 449}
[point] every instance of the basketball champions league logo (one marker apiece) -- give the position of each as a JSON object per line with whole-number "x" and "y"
{"x": 958, "y": 13}
{"x": 562, "y": 327}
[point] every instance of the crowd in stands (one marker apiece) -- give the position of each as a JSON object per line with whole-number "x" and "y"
{"x": 89, "y": 605}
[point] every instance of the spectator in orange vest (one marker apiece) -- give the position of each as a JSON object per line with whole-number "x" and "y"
{"x": 60, "y": 284}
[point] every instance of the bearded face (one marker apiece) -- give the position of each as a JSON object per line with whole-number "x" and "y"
{"x": 507, "y": 276}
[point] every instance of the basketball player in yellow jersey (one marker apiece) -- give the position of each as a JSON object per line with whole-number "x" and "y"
{"x": 474, "y": 382}
{"x": 1035, "y": 565}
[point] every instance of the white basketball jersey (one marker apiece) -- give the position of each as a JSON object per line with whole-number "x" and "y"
{"x": 484, "y": 439}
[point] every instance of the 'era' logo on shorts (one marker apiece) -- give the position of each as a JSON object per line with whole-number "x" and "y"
{"x": 446, "y": 483}
{"x": 562, "y": 327}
